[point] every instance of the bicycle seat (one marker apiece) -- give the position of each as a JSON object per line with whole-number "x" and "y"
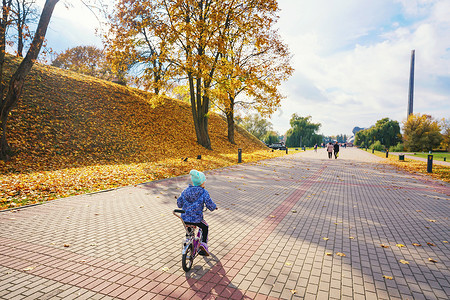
{"x": 179, "y": 211}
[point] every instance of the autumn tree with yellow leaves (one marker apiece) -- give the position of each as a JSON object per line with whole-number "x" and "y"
{"x": 255, "y": 64}
{"x": 421, "y": 133}
{"x": 88, "y": 60}
{"x": 217, "y": 48}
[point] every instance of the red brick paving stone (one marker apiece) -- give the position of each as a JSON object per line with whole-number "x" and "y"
{"x": 159, "y": 287}
{"x": 124, "y": 280}
{"x": 117, "y": 277}
{"x": 138, "y": 272}
{"x": 167, "y": 290}
{"x": 121, "y": 289}
{"x": 237, "y": 295}
{"x": 141, "y": 283}
{"x": 162, "y": 277}
{"x": 137, "y": 295}
{"x": 150, "y": 286}
{"x": 207, "y": 287}
{"x": 111, "y": 288}
{"x": 148, "y": 296}
{"x": 70, "y": 279}
{"x": 133, "y": 282}
{"x": 171, "y": 279}
{"x": 127, "y": 293}
{"x": 93, "y": 284}
{"x": 101, "y": 287}
{"x": 251, "y": 295}
{"x": 178, "y": 292}
{"x": 190, "y": 294}
{"x": 218, "y": 289}
{"x": 180, "y": 281}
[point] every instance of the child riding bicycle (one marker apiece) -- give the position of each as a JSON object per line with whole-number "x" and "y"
{"x": 192, "y": 201}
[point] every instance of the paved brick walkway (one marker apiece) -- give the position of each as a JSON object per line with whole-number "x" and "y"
{"x": 280, "y": 227}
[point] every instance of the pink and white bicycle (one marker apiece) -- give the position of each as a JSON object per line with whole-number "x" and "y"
{"x": 191, "y": 246}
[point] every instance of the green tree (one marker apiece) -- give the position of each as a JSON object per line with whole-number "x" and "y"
{"x": 271, "y": 137}
{"x": 421, "y": 133}
{"x": 303, "y": 129}
{"x": 385, "y": 130}
{"x": 362, "y": 138}
{"x": 256, "y": 125}
{"x": 446, "y": 134}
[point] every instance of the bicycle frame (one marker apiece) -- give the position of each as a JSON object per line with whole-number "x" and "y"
{"x": 192, "y": 242}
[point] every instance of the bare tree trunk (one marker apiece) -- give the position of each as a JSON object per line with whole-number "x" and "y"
{"x": 3, "y": 26}
{"x": 18, "y": 79}
{"x": 199, "y": 106}
{"x": 230, "y": 121}
{"x": 20, "y": 40}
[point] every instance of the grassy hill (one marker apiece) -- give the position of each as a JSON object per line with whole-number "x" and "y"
{"x": 74, "y": 133}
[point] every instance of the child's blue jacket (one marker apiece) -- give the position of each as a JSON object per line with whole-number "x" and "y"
{"x": 192, "y": 200}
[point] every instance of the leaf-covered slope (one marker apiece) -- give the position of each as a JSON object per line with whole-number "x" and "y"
{"x": 65, "y": 119}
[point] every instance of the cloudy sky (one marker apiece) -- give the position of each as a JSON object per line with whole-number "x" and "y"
{"x": 351, "y": 58}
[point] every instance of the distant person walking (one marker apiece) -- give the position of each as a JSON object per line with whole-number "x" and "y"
{"x": 315, "y": 148}
{"x": 336, "y": 150}
{"x": 330, "y": 150}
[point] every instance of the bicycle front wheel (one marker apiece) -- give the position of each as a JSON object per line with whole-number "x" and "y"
{"x": 188, "y": 258}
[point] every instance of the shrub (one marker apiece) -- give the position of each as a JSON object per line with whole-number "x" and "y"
{"x": 397, "y": 148}
{"x": 377, "y": 146}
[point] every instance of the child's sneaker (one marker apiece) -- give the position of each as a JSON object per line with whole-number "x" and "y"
{"x": 203, "y": 249}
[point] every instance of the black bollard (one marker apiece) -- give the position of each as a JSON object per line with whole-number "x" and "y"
{"x": 239, "y": 155}
{"x": 286, "y": 150}
{"x": 430, "y": 164}
{"x": 445, "y": 158}
{"x": 373, "y": 151}
{"x": 387, "y": 153}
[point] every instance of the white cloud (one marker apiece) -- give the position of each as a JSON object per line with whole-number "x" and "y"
{"x": 72, "y": 25}
{"x": 352, "y": 61}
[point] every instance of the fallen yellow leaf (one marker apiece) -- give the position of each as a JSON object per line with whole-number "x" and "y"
{"x": 400, "y": 245}
{"x": 325, "y": 238}
{"x": 28, "y": 268}
{"x": 404, "y": 262}
{"x": 432, "y": 260}
{"x": 431, "y": 244}
{"x": 328, "y": 253}
{"x": 388, "y": 277}
{"x": 416, "y": 244}
{"x": 340, "y": 254}
{"x": 384, "y": 246}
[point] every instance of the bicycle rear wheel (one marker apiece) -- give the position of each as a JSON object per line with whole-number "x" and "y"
{"x": 188, "y": 258}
